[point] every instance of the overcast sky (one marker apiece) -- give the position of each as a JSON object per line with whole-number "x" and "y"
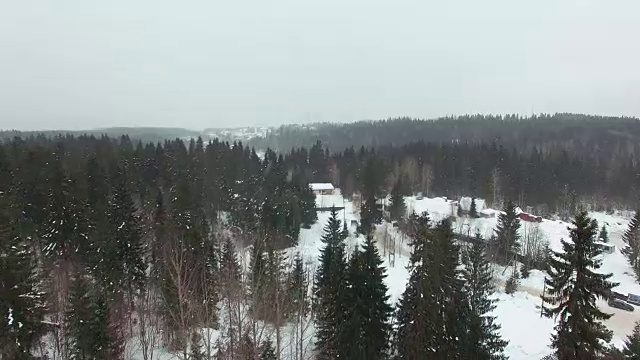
{"x": 78, "y": 64}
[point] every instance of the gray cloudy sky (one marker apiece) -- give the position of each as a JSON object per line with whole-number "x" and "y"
{"x": 200, "y": 63}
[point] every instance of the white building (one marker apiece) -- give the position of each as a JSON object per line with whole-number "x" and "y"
{"x": 465, "y": 204}
{"x": 322, "y": 188}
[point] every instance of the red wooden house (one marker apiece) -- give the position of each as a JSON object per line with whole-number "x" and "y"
{"x": 529, "y": 218}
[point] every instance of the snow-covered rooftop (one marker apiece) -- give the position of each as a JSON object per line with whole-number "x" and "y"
{"x": 321, "y": 186}
{"x": 465, "y": 203}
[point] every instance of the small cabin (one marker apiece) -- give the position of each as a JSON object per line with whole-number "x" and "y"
{"x": 605, "y": 247}
{"x": 322, "y": 188}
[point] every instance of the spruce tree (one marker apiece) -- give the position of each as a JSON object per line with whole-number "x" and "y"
{"x": 485, "y": 341}
{"x": 90, "y": 325}
{"x": 370, "y": 214}
{"x": 107, "y": 333}
{"x": 513, "y": 282}
{"x": 631, "y": 348}
{"x": 22, "y": 304}
{"x": 308, "y": 211}
{"x": 80, "y": 318}
{"x": 631, "y": 238}
{"x": 604, "y": 234}
{"x": 258, "y": 283}
{"x": 367, "y": 328}
{"x": 126, "y": 258}
{"x": 432, "y": 313}
{"x": 506, "y": 244}
{"x": 267, "y": 352}
{"x": 229, "y": 268}
{"x": 297, "y": 287}
{"x": 398, "y": 208}
{"x": 329, "y": 289}
{"x": 473, "y": 211}
{"x": 525, "y": 269}
{"x": 573, "y": 286}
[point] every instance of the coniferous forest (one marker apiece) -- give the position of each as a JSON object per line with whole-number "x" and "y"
{"x": 104, "y": 240}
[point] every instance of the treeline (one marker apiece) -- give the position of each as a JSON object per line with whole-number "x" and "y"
{"x": 560, "y": 160}
{"x": 576, "y": 133}
{"x": 109, "y": 247}
{"x": 98, "y": 234}
{"x": 144, "y": 134}
{"x": 553, "y": 182}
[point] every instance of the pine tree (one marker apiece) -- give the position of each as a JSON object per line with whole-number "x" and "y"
{"x": 506, "y": 244}
{"x": 329, "y": 288}
{"x": 80, "y": 318}
{"x": 90, "y": 327}
{"x": 259, "y": 280}
{"x": 573, "y": 286}
{"x": 231, "y": 290}
{"x": 513, "y": 282}
{"x": 431, "y": 315}
{"x": 473, "y": 211}
{"x": 107, "y": 332}
{"x": 397, "y": 209}
{"x": 377, "y": 328}
{"x": 367, "y": 328}
{"x": 632, "y": 344}
{"x": 604, "y": 234}
{"x": 297, "y": 287}
{"x": 370, "y": 214}
{"x": 22, "y": 305}
{"x": 229, "y": 268}
{"x": 126, "y": 256}
{"x": 267, "y": 352}
{"x": 307, "y": 198}
{"x": 525, "y": 269}
{"x": 485, "y": 342}
{"x": 631, "y": 238}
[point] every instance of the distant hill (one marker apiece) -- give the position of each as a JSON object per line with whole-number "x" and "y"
{"x": 144, "y": 134}
{"x": 541, "y": 131}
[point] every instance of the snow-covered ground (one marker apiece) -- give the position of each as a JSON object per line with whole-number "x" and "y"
{"x": 519, "y": 314}
{"x": 528, "y": 333}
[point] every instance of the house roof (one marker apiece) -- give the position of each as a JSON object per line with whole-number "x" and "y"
{"x": 321, "y": 186}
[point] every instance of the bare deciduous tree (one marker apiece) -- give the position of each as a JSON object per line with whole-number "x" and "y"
{"x": 496, "y": 188}
{"x": 427, "y": 179}
{"x": 182, "y": 274}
